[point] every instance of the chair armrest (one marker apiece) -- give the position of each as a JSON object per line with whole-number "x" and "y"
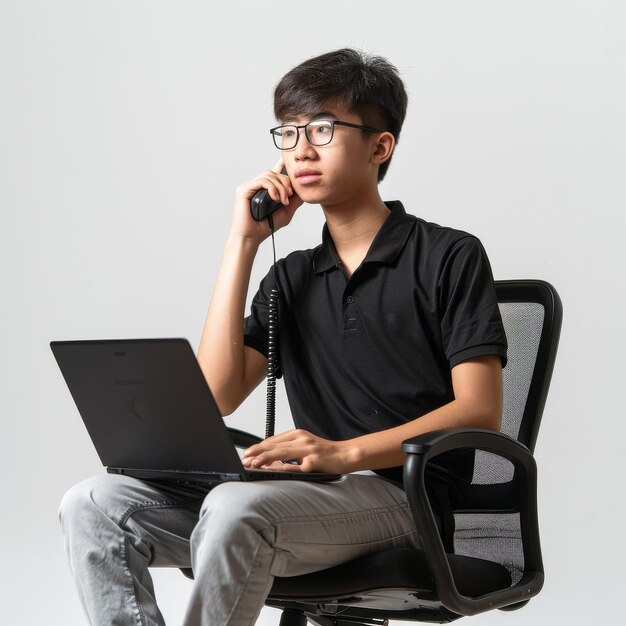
{"x": 242, "y": 439}
{"x": 424, "y": 447}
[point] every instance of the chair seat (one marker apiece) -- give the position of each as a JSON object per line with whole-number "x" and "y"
{"x": 399, "y": 568}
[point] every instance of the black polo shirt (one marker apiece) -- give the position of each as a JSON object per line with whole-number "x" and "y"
{"x": 375, "y": 351}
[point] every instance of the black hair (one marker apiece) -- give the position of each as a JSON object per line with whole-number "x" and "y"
{"x": 369, "y": 86}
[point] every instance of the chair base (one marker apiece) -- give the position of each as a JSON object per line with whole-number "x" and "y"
{"x": 339, "y": 615}
{"x": 290, "y": 617}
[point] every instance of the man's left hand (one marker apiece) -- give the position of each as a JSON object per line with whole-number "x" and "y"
{"x": 313, "y": 453}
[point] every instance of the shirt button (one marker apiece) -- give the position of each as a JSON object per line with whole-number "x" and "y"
{"x": 349, "y": 299}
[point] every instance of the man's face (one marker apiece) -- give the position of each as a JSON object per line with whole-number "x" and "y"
{"x": 338, "y": 171}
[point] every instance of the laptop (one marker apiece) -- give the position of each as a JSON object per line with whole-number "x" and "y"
{"x": 150, "y": 413}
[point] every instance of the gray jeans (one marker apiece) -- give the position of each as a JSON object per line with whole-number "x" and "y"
{"x": 236, "y": 537}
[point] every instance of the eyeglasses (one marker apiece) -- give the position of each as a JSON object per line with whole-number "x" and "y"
{"x": 318, "y": 133}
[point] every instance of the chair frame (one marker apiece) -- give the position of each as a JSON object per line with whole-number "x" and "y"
{"x": 519, "y": 495}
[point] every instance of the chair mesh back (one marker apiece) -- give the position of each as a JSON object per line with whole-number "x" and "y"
{"x": 497, "y": 536}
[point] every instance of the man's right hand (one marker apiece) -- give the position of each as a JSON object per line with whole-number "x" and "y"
{"x": 280, "y": 188}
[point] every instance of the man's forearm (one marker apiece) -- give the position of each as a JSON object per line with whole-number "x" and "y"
{"x": 383, "y": 448}
{"x": 221, "y": 351}
{"x": 231, "y": 370}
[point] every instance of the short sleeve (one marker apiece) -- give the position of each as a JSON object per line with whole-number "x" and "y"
{"x": 255, "y": 325}
{"x": 471, "y": 324}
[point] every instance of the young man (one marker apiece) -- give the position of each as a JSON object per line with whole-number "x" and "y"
{"x": 388, "y": 329}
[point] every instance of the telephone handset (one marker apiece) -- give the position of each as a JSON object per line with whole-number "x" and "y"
{"x": 262, "y": 204}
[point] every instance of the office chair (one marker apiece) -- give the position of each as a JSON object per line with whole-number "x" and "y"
{"x": 497, "y": 559}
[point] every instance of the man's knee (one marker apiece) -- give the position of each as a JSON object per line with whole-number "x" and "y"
{"x": 100, "y": 493}
{"x": 231, "y": 506}
{"x": 233, "y": 517}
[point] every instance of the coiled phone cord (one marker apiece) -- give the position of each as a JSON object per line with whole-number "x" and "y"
{"x": 272, "y": 346}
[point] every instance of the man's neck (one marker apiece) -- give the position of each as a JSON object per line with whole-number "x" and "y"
{"x": 353, "y": 227}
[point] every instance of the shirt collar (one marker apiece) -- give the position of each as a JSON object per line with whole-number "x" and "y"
{"x": 386, "y": 246}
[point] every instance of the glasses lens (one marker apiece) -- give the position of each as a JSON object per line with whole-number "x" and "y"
{"x": 319, "y": 133}
{"x": 285, "y": 137}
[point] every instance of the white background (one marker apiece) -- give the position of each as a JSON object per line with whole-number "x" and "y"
{"x": 125, "y": 128}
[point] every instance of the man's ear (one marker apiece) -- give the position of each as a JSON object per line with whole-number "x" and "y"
{"x": 383, "y": 148}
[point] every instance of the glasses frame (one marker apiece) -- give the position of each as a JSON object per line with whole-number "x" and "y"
{"x": 334, "y": 123}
